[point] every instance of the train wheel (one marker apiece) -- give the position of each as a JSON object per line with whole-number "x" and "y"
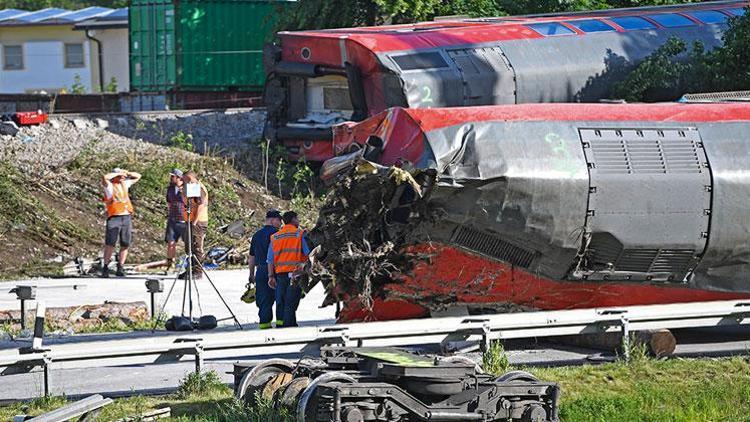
{"x": 516, "y": 376}
{"x": 289, "y": 396}
{"x": 254, "y": 381}
{"x": 307, "y": 406}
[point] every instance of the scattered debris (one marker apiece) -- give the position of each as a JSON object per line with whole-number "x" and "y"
{"x": 80, "y": 123}
{"x": 85, "y": 409}
{"x": 371, "y": 213}
{"x": 161, "y": 413}
{"x": 8, "y": 128}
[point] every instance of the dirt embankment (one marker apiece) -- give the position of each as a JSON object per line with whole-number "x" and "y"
{"x": 50, "y": 194}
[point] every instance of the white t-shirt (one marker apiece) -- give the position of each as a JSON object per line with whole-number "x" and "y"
{"x": 108, "y": 189}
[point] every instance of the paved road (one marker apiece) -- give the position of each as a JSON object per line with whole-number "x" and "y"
{"x": 158, "y": 378}
{"x": 231, "y": 285}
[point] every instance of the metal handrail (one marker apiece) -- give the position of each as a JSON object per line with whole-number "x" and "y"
{"x": 484, "y": 328}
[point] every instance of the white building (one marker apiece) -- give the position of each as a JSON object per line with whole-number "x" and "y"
{"x": 54, "y": 50}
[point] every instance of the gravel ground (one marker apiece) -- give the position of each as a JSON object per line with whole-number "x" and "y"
{"x": 38, "y": 150}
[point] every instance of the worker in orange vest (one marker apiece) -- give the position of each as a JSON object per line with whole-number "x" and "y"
{"x": 287, "y": 253}
{"x": 198, "y": 220}
{"x": 119, "y": 216}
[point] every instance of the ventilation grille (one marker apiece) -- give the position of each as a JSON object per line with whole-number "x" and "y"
{"x": 644, "y": 151}
{"x": 607, "y": 253}
{"x": 493, "y": 246}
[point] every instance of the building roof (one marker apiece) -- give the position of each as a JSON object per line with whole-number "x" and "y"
{"x": 57, "y": 16}
{"x": 118, "y": 18}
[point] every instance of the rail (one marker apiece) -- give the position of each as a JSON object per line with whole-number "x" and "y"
{"x": 485, "y": 328}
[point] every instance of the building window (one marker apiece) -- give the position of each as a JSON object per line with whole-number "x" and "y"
{"x": 74, "y": 55}
{"x": 12, "y": 57}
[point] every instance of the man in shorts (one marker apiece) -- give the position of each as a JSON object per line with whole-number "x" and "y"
{"x": 119, "y": 216}
{"x": 175, "y": 215}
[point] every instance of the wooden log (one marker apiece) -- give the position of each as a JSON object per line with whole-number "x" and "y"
{"x": 659, "y": 343}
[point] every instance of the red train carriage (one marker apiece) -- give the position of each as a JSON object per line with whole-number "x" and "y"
{"x": 321, "y": 78}
{"x": 559, "y": 206}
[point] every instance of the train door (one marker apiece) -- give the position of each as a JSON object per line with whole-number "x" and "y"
{"x": 487, "y": 75}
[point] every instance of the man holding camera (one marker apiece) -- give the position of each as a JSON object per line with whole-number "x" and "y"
{"x": 258, "y": 263}
{"x": 195, "y": 196}
{"x": 175, "y": 215}
{"x": 287, "y": 254}
{"x": 119, "y": 216}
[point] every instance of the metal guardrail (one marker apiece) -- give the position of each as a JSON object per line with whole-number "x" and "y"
{"x": 486, "y": 328}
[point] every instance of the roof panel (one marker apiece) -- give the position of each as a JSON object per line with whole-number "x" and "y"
{"x": 115, "y": 15}
{"x": 11, "y": 13}
{"x": 41, "y": 15}
{"x": 87, "y": 13}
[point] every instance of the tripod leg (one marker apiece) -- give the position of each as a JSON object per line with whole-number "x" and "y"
{"x": 203, "y": 270}
{"x": 164, "y": 305}
{"x": 184, "y": 295}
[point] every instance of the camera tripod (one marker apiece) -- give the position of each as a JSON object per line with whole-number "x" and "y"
{"x": 189, "y": 284}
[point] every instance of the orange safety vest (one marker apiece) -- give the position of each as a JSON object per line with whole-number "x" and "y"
{"x": 119, "y": 203}
{"x": 287, "y": 249}
{"x": 195, "y": 215}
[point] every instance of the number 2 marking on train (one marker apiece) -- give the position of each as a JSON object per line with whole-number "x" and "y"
{"x": 427, "y": 97}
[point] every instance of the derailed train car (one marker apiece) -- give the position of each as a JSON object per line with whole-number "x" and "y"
{"x": 548, "y": 206}
{"x": 321, "y": 78}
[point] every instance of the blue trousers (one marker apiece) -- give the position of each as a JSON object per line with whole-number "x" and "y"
{"x": 287, "y": 301}
{"x": 264, "y": 296}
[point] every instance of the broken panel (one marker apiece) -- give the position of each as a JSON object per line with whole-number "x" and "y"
{"x": 488, "y": 77}
{"x": 649, "y": 204}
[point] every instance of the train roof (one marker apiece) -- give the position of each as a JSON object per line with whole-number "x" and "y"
{"x": 403, "y": 129}
{"x": 479, "y": 30}
{"x": 435, "y": 118}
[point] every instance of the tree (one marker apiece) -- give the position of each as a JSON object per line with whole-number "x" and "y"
{"x": 673, "y": 70}
{"x": 319, "y": 14}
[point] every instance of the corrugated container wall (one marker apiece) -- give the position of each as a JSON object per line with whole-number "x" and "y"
{"x": 199, "y": 45}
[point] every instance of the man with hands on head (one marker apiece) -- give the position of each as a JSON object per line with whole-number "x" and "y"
{"x": 119, "y": 216}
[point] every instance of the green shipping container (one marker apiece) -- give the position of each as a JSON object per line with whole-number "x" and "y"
{"x": 199, "y": 45}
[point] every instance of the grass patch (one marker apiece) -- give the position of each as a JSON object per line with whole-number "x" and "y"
{"x": 201, "y": 385}
{"x": 645, "y": 389}
{"x": 22, "y": 211}
{"x": 494, "y": 360}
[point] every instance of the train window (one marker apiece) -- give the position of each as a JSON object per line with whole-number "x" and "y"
{"x": 737, "y": 11}
{"x": 671, "y": 20}
{"x": 550, "y": 29}
{"x": 632, "y": 23}
{"x": 708, "y": 16}
{"x": 591, "y": 25}
{"x": 431, "y": 60}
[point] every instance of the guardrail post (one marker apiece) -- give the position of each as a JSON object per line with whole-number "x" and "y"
{"x": 486, "y": 338}
{"x": 624, "y": 323}
{"x": 45, "y": 366}
{"x": 198, "y": 357}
